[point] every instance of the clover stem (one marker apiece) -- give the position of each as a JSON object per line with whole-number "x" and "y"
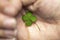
{"x": 38, "y": 27}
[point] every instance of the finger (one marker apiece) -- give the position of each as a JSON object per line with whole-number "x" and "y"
{"x": 8, "y": 39}
{"x": 7, "y": 34}
{"x": 7, "y": 22}
{"x": 27, "y": 2}
{"x": 34, "y": 6}
{"x": 47, "y": 9}
{"x": 10, "y": 7}
{"x": 31, "y": 8}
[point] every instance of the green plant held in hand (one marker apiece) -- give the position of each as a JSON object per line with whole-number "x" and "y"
{"x": 33, "y": 18}
{"x": 28, "y": 23}
{"x": 29, "y": 14}
{"x": 25, "y": 18}
{"x": 29, "y": 18}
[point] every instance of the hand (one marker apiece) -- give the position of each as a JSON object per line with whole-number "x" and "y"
{"x": 10, "y": 7}
{"x": 46, "y": 9}
{"x": 47, "y": 26}
{"x": 7, "y": 21}
{"x": 8, "y": 11}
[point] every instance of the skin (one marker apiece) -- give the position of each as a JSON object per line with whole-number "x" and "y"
{"x": 10, "y": 7}
{"x": 44, "y": 28}
{"x": 6, "y": 39}
{"x": 27, "y": 2}
{"x": 7, "y": 26}
{"x": 41, "y": 30}
{"x": 6, "y": 33}
{"x": 7, "y": 22}
{"x": 46, "y": 9}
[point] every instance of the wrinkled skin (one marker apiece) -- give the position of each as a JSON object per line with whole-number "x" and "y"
{"x": 47, "y": 8}
{"x": 47, "y": 26}
{"x": 41, "y": 30}
{"x": 48, "y": 14}
{"x": 27, "y": 2}
{"x": 10, "y": 7}
{"x": 8, "y": 11}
